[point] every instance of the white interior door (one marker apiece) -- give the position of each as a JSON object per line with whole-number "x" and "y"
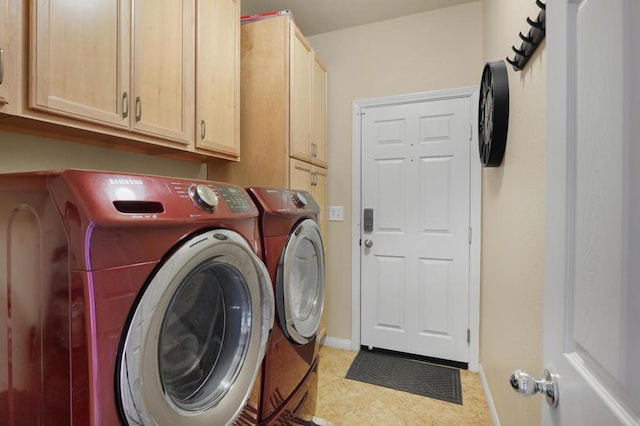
{"x": 415, "y": 255}
{"x": 592, "y": 291}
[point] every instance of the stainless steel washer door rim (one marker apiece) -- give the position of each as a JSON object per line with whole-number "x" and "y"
{"x": 300, "y": 283}
{"x": 194, "y": 345}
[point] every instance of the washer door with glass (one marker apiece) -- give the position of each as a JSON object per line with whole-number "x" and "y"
{"x": 194, "y": 345}
{"x": 300, "y": 283}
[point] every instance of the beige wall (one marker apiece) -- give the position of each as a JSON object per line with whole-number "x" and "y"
{"x": 20, "y": 152}
{"x": 418, "y": 53}
{"x": 513, "y": 226}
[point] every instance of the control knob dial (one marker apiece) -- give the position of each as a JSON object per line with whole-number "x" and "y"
{"x": 203, "y": 197}
{"x": 300, "y": 199}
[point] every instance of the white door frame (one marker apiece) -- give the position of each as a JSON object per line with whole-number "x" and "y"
{"x": 475, "y": 208}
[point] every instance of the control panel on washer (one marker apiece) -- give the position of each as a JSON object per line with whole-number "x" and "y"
{"x": 207, "y": 196}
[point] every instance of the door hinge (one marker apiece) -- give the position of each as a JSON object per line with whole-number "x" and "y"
{"x": 470, "y": 131}
{"x": 360, "y": 242}
{"x": 470, "y": 235}
{"x": 468, "y": 336}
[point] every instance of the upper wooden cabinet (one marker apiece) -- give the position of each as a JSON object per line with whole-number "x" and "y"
{"x": 7, "y": 56}
{"x": 218, "y": 76}
{"x": 163, "y": 88}
{"x": 282, "y": 107}
{"x": 308, "y": 98}
{"x": 80, "y": 60}
{"x": 156, "y": 76}
{"x": 81, "y": 64}
{"x": 300, "y": 95}
{"x": 319, "y": 112}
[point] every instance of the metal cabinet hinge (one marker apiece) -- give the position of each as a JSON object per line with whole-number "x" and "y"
{"x": 470, "y": 235}
{"x": 468, "y": 336}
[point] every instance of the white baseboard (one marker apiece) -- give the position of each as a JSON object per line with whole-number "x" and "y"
{"x": 335, "y": 342}
{"x": 487, "y": 393}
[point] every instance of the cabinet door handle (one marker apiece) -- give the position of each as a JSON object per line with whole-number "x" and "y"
{"x": 1, "y": 65}
{"x": 314, "y": 150}
{"x": 203, "y": 129}
{"x": 125, "y": 105}
{"x": 138, "y": 108}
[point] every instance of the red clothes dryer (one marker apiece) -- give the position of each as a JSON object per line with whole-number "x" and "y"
{"x": 294, "y": 254}
{"x": 130, "y": 299}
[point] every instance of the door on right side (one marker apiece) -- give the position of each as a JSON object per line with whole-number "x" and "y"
{"x": 592, "y": 290}
{"x": 415, "y": 235}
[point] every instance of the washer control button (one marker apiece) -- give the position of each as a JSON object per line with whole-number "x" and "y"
{"x": 204, "y": 197}
{"x": 300, "y": 199}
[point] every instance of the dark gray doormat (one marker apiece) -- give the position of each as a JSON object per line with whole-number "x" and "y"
{"x": 408, "y": 375}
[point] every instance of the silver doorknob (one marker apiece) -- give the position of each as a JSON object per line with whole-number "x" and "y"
{"x": 524, "y": 383}
{"x": 368, "y": 243}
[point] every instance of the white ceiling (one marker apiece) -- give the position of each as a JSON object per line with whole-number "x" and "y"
{"x": 321, "y": 16}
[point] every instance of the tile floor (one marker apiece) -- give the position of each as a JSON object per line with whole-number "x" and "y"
{"x": 348, "y": 402}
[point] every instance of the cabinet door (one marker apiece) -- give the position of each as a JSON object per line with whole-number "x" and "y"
{"x": 218, "y": 70}
{"x": 319, "y": 113}
{"x": 300, "y": 96}
{"x": 300, "y": 175}
{"x": 80, "y": 59}
{"x": 7, "y": 56}
{"x": 163, "y": 68}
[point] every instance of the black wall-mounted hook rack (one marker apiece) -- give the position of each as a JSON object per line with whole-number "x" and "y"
{"x": 530, "y": 41}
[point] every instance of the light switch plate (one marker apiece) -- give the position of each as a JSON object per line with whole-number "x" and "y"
{"x": 336, "y": 213}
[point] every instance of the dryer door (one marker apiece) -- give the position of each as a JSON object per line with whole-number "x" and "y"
{"x": 196, "y": 339}
{"x": 300, "y": 283}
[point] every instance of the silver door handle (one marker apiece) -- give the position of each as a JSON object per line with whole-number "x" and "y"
{"x": 368, "y": 243}
{"x": 524, "y": 383}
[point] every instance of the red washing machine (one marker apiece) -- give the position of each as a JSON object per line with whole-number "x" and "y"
{"x": 294, "y": 255}
{"x": 130, "y": 299}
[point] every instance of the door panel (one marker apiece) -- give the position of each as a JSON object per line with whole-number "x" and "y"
{"x": 319, "y": 108}
{"x": 591, "y": 293}
{"x": 435, "y": 282}
{"x": 300, "y": 96}
{"x": 163, "y": 102}
{"x": 218, "y": 70}
{"x": 415, "y": 277}
{"x": 435, "y": 192}
{"x": 8, "y": 56}
{"x": 64, "y": 82}
{"x": 391, "y": 212}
